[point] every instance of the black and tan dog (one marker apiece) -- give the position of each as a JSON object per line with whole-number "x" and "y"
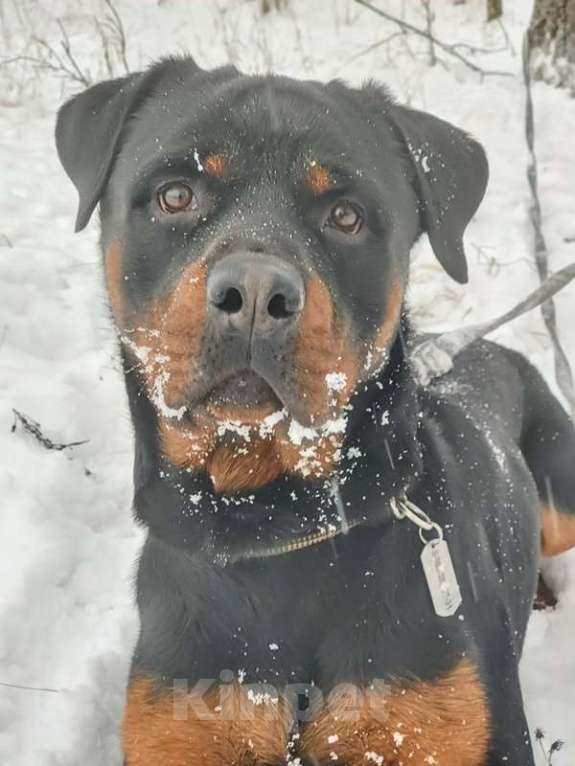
{"x": 256, "y": 234}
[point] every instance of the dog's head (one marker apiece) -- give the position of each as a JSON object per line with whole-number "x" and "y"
{"x": 256, "y": 234}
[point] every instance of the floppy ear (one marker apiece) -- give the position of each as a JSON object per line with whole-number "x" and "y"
{"x": 88, "y": 131}
{"x": 90, "y": 126}
{"x": 451, "y": 174}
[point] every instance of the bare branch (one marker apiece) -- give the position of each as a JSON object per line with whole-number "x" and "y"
{"x": 373, "y": 47}
{"x": 44, "y": 63}
{"x": 67, "y": 48}
{"x": 105, "y": 47}
{"x": 118, "y": 27}
{"x": 450, "y": 49}
{"x": 429, "y": 15}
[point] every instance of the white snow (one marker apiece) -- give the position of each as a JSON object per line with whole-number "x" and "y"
{"x": 398, "y": 738}
{"x": 336, "y": 381}
{"x": 198, "y": 161}
{"x": 68, "y": 543}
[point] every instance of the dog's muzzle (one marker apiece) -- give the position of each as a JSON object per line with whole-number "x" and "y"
{"x": 254, "y": 302}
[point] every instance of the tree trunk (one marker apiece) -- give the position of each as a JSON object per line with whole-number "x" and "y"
{"x": 552, "y": 40}
{"x": 494, "y": 9}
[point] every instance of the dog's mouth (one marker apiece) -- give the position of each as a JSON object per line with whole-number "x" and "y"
{"x": 243, "y": 391}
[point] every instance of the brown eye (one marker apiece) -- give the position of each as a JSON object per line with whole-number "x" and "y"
{"x": 346, "y": 216}
{"x": 176, "y": 197}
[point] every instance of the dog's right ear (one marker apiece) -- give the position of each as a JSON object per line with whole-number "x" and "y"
{"x": 88, "y": 132}
{"x": 90, "y": 126}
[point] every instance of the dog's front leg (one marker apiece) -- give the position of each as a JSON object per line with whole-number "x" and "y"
{"x": 211, "y": 724}
{"x": 444, "y": 721}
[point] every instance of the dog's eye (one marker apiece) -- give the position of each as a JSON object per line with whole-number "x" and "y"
{"x": 176, "y": 197}
{"x": 346, "y": 216}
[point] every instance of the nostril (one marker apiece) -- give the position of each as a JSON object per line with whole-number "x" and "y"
{"x": 231, "y": 302}
{"x": 280, "y": 308}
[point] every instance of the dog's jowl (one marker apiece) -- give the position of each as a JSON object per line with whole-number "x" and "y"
{"x": 256, "y": 234}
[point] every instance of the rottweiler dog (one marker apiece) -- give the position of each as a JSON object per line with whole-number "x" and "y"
{"x": 340, "y": 563}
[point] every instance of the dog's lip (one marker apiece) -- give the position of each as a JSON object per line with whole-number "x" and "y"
{"x": 242, "y": 389}
{"x": 224, "y": 399}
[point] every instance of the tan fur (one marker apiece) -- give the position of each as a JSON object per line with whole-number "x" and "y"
{"x": 557, "y": 531}
{"x": 323, "y": 346}
{"x": 384, "y": 337}
{"x": 443, "y": 722}
{"x": 186, "y": 445}
{"x": 153, "y": 735}
{"x": 238, "y": 466}
{"x": 318, "y": 179}
{"x": 170, "y": 335}
{"x": 235, "y": 464}
{"x": 114, "y": 275}
{"x": 215, "y": 165}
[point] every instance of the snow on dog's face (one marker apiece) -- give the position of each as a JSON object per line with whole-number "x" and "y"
{"x": 256, "y": 233}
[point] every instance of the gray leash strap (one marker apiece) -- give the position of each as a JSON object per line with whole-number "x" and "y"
{"x": 562, "y": 369}
{"x": 434, "y": 356}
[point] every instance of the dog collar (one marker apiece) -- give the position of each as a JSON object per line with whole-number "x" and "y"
{"x": 299, "y": 543}
{"x": 330, "y": 532}
{"x": 435, "y": 557}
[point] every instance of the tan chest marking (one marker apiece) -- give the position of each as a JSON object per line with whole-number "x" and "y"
{"x": 443, "y": 722}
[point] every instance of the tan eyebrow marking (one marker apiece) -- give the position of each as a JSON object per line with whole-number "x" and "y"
{"x": 216, "y": 165}
{"x": 318, "y": 178}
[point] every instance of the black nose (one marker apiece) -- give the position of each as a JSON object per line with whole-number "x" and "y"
{"x": 246, "y": 289}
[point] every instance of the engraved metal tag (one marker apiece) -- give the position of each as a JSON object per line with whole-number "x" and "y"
{"x": 441, "y": 578}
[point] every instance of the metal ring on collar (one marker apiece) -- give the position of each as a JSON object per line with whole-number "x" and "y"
{"x": 403, "y": 508}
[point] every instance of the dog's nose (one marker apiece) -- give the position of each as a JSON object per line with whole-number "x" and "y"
{"x": 253, "y": 289}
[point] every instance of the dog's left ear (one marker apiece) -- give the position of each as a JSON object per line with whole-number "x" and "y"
{"x": 448, "y": 172}
{"x": 451, "y": 173}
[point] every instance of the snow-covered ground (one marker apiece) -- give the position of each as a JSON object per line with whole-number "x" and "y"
{"x": 68, "y": 544}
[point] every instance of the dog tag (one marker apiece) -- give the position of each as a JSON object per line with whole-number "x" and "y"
{"x": 441, "y": 577}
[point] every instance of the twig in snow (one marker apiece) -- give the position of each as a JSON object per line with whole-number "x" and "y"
{"x": 450, "y": 49}
{"x": 556, "y": 745}
{"x": 30, "y": 688}
{"x": 34, "y": 428}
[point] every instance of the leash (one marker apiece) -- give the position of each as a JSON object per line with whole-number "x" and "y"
{"x": 434, "y": 356}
